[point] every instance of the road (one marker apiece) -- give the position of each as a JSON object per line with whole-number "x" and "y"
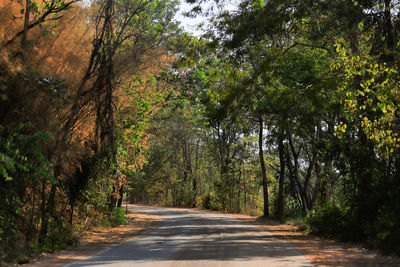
{"x": 194, "y": 238}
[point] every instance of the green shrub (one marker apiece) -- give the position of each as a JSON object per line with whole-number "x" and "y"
{"x": 206, "y": 201}
{"x": 59, "y": 238}
{"x": 118, "y": 217}
{"x": 328, "y": 220}
{"x": 9, "y": 247}
{"x": 299, "y": 222}
{"x": 215, "y": 203}
{"x": 104, "y": 222}
{"x": 293, "y": 209}
{"x": 385, "y": 232}
{"x": 210, "y": 201}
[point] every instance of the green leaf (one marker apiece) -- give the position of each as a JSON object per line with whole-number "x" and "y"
{"x": 259, "y": 3}
{"x": 361, "y": 26}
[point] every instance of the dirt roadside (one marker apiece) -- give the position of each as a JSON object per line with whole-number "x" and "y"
{"x": 98, "y": 239}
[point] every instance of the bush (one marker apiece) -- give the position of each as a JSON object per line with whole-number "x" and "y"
{"x": 59, "y": 238}
{"x": 299, "y": 222}
{"x": 384, "y": 233}
{"x": 206, "y": 201}
{"x": 293, "y": 209}
{"x": 328, "y": 220}
{"x": 9, "y": 247}
{"x": 209, "y": 201}
{"x": 118, "y": 217}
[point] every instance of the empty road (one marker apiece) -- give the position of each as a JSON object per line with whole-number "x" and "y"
{"x": 195, "y": 238}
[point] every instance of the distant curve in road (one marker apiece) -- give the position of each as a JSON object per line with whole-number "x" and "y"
{"x": 194, "y": 238}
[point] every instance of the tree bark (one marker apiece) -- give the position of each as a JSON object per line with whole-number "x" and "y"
{"x": 296, "y": 174}
{"x": 46, "y": 215}
{"x": 263, "y": 169}
{"x": 279, "y": 210}
{"x": 121, "y": 195}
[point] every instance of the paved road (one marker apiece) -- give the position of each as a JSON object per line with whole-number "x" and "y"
{"x": 194, "y": 238}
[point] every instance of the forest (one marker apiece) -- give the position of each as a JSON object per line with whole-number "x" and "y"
{"x": 282, "y": 108}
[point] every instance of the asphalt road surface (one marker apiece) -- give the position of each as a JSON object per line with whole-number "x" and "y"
{"x": 194, "y": 238}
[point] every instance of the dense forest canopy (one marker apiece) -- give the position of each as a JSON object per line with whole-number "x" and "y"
{"x": 282, "y": 108}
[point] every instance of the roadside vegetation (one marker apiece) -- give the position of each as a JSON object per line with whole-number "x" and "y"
{"x": 287, "y": 109}
{"x": 77, "y": 90}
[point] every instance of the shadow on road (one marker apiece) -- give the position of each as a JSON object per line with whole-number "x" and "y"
{"x": 195, "y": 236}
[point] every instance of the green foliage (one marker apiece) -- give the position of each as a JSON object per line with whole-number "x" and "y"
{"x": 115, "y": 218}
{"x": 293, "y": 209}
{"x": 21, "y": 162}
{"x": 371, "y": 102}
{"x": 21, "y": 153}
{"x": 210, "y": 201}
{"x": 327, "y": 220}
{"x": 118, "y": 217}
{"x": 59, "y": 237}
{"x": 9, "y": 230}
{"x": 299, "y": 222}
{"x": 385, "y": 233}
{"x": 90, "y": 158}
{"x": 329, "y": 100}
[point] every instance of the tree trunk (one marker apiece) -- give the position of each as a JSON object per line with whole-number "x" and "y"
{"x": 121, "y": 195}
{"x": 292, "y": 183}
{"x": 239, "y": 190}
{"x": 296, "y": 174}
{"x": 113, "y": 199}
{"x": 244, "y": 187}
{"x": 307, "y": 179}
{"x": 46, "y": 215}
{"x": 71, "y": 215}
{"x": 196, "y": 183}
{"x": 279, "y": 210}
{"x": 263, "y": 170}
